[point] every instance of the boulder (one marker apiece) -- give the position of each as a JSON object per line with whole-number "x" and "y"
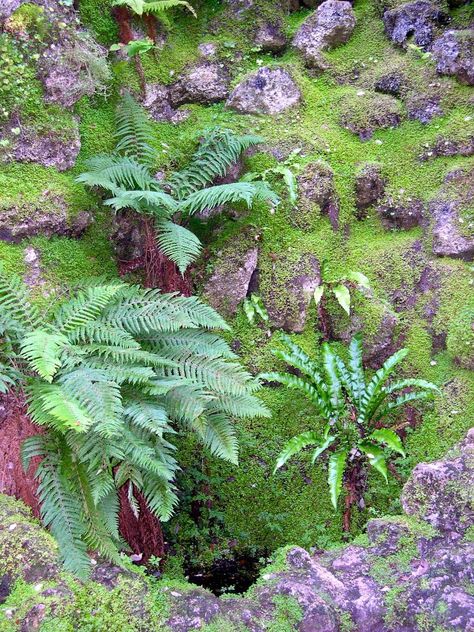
{"x": 417, "y": 19}
{"x": 330, "y": 25}
{"x": 448, "y": 239}
{"x": 17, "y": 223}
{"x": 158, "y": 103}
{"x": 454, "y": 55}
{"x": 270, "y": 38}
{"x": 205, "y": 82}
{"x": 316, "y": 195}
{"x": 449, "y": 147}
{"x": 400, "y": 214}
{"x": 440, "y": 493}
{"x": 233, "y": 271}
{"x": 393, "y": 83}
{"x": 364, "y": 112}
{"x": 423, "y": 108}
{"x": 288, "y": 291}
{"x": 370, "y": 187}
{"x": 56, "y": 148}
{"x": 267, "y": 91}
{"x": 72, "y": 69}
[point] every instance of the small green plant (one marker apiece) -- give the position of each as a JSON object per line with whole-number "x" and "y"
{"x": 134, "y": 49}
{"x": 340, "y": 288}
{"x": 254, "y": 308}
{"x": 144, "y": 7}
{"x": 286, "y": 170}
{"x": 111, "y": 375}
{"x": 128, "y": 177}
{"x": 355, "y": 410}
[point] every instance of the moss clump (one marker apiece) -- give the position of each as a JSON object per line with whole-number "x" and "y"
{"x": 364, "y": 112}
{"x": 460, "y": 340}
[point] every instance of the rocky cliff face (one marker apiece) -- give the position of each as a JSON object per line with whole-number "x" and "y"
{"x": 412, "y": 572}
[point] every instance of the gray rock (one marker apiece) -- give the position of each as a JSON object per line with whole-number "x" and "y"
{"x": 423, "y": 108}
{"x": 289, "y": 291}
{"x": 7, "y": 7}
{"x": 158, "y": 103}
{"x": 316, "y": 195}
{"x": 267, "y": 91}
{"x": 205, "y": 82}
{"x": 75, "y": 68}
{"x": 394, "y": 84}
{"x": 417, "y": 19}
{"x": 454, "y": 55}
{"x": 230, "y": 280}
{"x": 208, "y": 50}
{"x": 400, "y": 214}
{"x": 330, "y": 25}
{"x": 270, "y": 38}
{"x": 448, "y": 240}
{"x": 370, "y": 187}
{"x": 16, "y": 224}
{"x": 55, "y": 148}
{"x": 440, "y": 493}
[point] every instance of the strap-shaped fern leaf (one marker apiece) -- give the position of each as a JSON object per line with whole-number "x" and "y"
{"x": 356, "y": 368}
{"x": 376, "y": 457}
{"x": 389, "y": 438}
{"x": 333, "y": 381}
{"x": 295, "y": 445}
{"x": 336, "y": 467}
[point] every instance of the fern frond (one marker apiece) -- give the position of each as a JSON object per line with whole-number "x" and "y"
{"x": 117, "y": 174}
{"x": 49, "y": 404}
{"x": 43, "y": 350}
{"x": 297, "y": 383}
{"x": 158, "y": 6}
{"x": 219, "y": 149}
{"x": 85, "y": 307}
{"x": 240, "y": 406}
{"x": 178, "y": 243}
{"x": 15, "y": 303}
{"x": 161, "y": 498}
{"x": 178, "y": 345}
{"x": 156, "y": 203}
{"x": 134, "y": 131}
{"x": 217, "y": 433}
{"x": 221, "y": 194}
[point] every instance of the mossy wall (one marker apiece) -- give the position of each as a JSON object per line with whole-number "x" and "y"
{"x": 252, "y": 509}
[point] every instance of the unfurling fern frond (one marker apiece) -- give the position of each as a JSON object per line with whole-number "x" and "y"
{"x": 134, "y": 131}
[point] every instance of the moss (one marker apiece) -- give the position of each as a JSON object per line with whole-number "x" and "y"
{"x": 364, "y": 112}
{"x": 288, "y": 614}
{"x": 460, "y": 340}
{"x": 98, "y": 17}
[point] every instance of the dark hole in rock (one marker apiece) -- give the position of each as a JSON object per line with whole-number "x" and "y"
{"x": 232, "y": 575}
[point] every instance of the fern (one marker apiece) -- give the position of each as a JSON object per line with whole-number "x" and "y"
{"x": 350, "y": 406}
{"x": 112, "y": 375}
{"x": 133, "y": 131}
{"x": 178, "y": 243}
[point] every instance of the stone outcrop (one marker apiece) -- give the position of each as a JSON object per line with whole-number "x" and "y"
{"x": 454, "y": 55}
{"x": 411, "y": 572}
{"x": 205, "y": 82}
{"x": 17, "y": 223}
{"x": 329, "y": 26}
{"x": 370, "y": 186}
{"x": 270, "y": 38}
{"x": 417, "y": 19}
{"x": 267, "y": 91}
{"x": 400, "y": 214}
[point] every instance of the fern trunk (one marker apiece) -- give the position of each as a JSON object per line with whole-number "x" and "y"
{"x": 143, "y": 533}
{"x": 15, "y": 427}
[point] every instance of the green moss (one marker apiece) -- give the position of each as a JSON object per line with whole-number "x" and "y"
{"x": 98, "y": 17}
{"x": 288, "y": 614}
{"x": 460, "y": 340}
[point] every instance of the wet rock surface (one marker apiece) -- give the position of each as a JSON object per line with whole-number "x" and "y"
{"x": 417, "y": 19}
{"x": 413, "y": 573}
{"x": 329, "y": 26}
{"x": 454, "y": 55}
{"x": 267, "y": 91}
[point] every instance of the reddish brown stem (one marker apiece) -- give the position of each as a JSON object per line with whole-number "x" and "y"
{"x": 123, "y": 19}
{"x": 324, "y": 321}
{"x": 141, "y": 74}
{"x": 143, "y": 533}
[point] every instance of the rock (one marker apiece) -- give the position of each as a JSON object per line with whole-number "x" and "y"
{"x": 288, "y": 291}
{"x": 394, "y": 83}
{"x": 370, "y": 187}
{"x": 205, "y": 82}
{"x": 330, "y": 25}
{"x": 365, "y": 112}
{"x": 15, "y": 225}
{"x": 230, "y": 280}
{"x": 208, "y": 50}
{"x": 417, "y": 19}
{"x": 400, "y": 214}
{"x": 75, "y": 68}
{"x": 270, "y": 38}
{"x": 32, "y": 258}
{"x": 440, "y": 493}
{"x": 267, "y": 91}
{"x": 449, "y": 147}
{"x": 316, "y": 195}
{"x": 454, "y": 55}
{"x": 158, "y": 103}
{"x": 448, "y": 240}
{"x": 423, "y": 108}
{"x": 56, "y": 148}
{"x": 7, "y": 7}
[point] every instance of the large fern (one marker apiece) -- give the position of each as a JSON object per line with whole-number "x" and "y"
{"x": 352, "y": 407}
{"x": 126, "y": 176}
{"x": 112, "y": 375}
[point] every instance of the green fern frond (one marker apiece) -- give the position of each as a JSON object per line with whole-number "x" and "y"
{"x": 159, "y": 6}
{"x": 156, "y": 203}
{"x": 43, "y": 350}
{"x": 134, "y": 131}
{"x": 217, "y": 433}
{"x": 15, "y": 305}
{"x": 222, "y": 194}
{"x": 85, "y": 307}
{"x": 116, "y": 174}
{"x": 178, "y": 243}
{"x": 178, "y": 345}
